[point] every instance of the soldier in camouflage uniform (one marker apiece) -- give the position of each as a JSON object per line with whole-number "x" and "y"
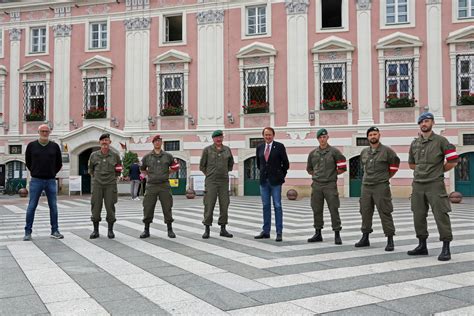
{"x": 158, "y": 165}
{"x": 104, "y": 167}
{"x": 427, "y": 157}
{"x": 324, "y": 164}
{"x": 380, "y": 163}
{"x": 216, "y": 163}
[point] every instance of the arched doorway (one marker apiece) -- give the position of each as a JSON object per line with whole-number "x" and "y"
{"x": 181, "y": 175}
{"x": 83, "y": 169}
{"x": 251, "y": 177}
{"x": 15, "y": 172}
{"x": 464, "y": 174}
{"x": 355, "y": 176}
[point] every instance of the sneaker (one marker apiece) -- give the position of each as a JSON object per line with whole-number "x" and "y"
{"x": 57, "y": 235}
{"x": 137, "y": 199}
{"x": 27, "y": 237}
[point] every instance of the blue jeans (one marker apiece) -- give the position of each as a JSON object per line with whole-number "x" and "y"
{"x": 269, "y": 192}
{"x": 36, "y": 188}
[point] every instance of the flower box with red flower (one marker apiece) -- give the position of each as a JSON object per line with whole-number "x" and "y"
{"x": 334, "y": 104}
{"x": 172, "y": 110}
{"x": 467, "y": 99}
{"x": 403, "y": 102}
{"x": 34, "y": 116}
{"x": 256, "y": 107}
{"x": 95, "y": 113}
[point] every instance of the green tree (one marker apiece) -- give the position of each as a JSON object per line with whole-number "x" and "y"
{"x": 128, "y": 160}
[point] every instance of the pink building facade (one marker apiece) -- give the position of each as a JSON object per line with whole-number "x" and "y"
{"x": 183, "y": 68}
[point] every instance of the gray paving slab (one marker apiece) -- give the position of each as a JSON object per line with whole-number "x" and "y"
{"x": 213, "y": 259}
{"x": 465, "y": 294}
{"x": 7, "y": 262}
{"x": 95, "y": 280}
{"x": 426, "y": 304}
{"x": 64, "y": 256}
{"x": 16, "y": 289}
{"x": 247, "y": 271}
{"x": 12, "y": 275}
{"x": 364, "y": 311}
{"x": 4, "y": 252}
{"x": 299, "y": 268}
{"x": 187, "y": 280}
{"x": 112, "y": 293}
{"x": 145, "y": 261}
{"x": 287, "y": 293}
{"x": 222, "y": 297}
{"x": 133, "y": 306}
{"x": 348, "y": 284}
{"x": 163, "y": 271}
{"x": 26, "y": 305}
{"x": 79, "y": 267}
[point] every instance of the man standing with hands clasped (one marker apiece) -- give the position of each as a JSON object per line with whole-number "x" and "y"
{"x": 216, "y": 163}
{"x": 427, "y": 157}
{"x": 380, "y": 163}
{"x": 105, "y": 167}
{"x": 272, "y": 161}
{"x": 324, "y": 164}
{"x": 158, "y": 164}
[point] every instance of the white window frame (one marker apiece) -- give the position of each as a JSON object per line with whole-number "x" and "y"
{"x": 469, "y": 8}
{"x": 96, "y": 93}
{"x": 469, "y": 75}
{"x": 163, "y": 89}
{"x": 332, "y": 65}
{"x": 162, "y": 30}
{"x": 29, "y": 40}
{"x": 40, "y": 45}
{"x": 344, "y": 18}
{"x": 88, "y": 37}
{"x": 397, "y": 14}
{"x": 410, "y": 15}
{"x": 398, "y": 77}
{"x": 166, "y": 26}
{"x": 29, "y": 84}
{"x": 244, "y": 21}
{"x": 266, "y": 84}
{"x": 455, "y": 12}
{"x": 260, "y": 27}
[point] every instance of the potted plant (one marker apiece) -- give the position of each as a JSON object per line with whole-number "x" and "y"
{"x": 255, "y": 106}
{"x": 34, "y": 115}
{"x": 334, "y": 104}
{"x": 403, "y": 102}
{"x": 172, "y": 110}
{"x": 467, "y": 99}
{"x": 95, "y": 113}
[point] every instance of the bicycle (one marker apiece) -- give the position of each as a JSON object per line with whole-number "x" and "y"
{"x": 11, "y": 188}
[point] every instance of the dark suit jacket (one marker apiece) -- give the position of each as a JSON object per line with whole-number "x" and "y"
{"x": 276, "y": 167}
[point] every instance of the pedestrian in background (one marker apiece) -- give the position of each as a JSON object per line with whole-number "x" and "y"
{"x": 134, "y": 180}
{"x": 43, "y": 160}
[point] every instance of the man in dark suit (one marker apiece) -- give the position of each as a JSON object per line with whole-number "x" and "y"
{"x": 272, "y": 161}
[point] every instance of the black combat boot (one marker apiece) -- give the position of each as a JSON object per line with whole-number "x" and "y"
{"x": 110, "y": 233}
{"x": 421, "y": 249}
{"x": 225, "y": 233}
{"x": 171, "y": 233}
{"x": 445, "y": 254}
{"x": 207, "y": 231}
{"x": 337, "y": 238}
{"x": 146, "y": 232}
{"x": 95, "y": 232}
{"x": 390, "y": 246}
{"x": 316, "y": 237}
{"x": 364, "y": 241}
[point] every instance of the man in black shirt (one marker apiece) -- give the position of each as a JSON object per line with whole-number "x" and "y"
{"x": 43, "y": 160}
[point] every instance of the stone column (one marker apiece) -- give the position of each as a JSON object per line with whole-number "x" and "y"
{"x": 297, "y": 62}
{"x": 62, "y": 57}
{"x": 14, "y": 102}
{"x": 210, "y": 69}
{"x": 364, "y": 56}
{"x": 434, "y": 59}
{"x": 137, "y": 69}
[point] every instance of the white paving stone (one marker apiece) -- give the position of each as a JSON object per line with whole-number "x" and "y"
{"x": 60, "y": 292}
{"x": 282, "y": 309}
{"x": 395, "y": 291}
{"x": 463, "y": 311}
{"x": 337, "y": 301}
{"x": 78, "y": 307}
{"x": 235, "y": 282}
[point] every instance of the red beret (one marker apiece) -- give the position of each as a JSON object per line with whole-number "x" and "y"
{"x": 156, "y": 137}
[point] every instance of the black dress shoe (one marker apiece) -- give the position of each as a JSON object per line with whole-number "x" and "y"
{"x": 279, "y": 238}
{"x": 262, "y": 235}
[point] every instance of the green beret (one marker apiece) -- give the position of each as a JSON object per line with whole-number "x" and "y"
{"x": 217, "y": 133}
{"x": 321, "y": 132}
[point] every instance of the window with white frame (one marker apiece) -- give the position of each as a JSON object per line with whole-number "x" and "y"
{"x": 98, "y": 35}
{"x": 171, "y": 94}
{"x": 465, "y": 79}
{"x": 399, "y": 83}
{"x": 256, "y": 90}
{"x": 333, "y": 86}
{"x": 38, "y": 39}
{"x": 331, "y": 13}
{"x": 256, "y": 20}
{"x": 465, "y": 9}
{"x": 174, "y": 28}
{"x": 396, "y": 11}
{"x": 34, "y": 100}
{"x": 95, "y": 98}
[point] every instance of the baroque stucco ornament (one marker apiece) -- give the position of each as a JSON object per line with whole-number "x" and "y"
{"x": 136, "y": 24}
{"x": 363, "y": 4}
{"x": 296, "y": 6}
{"x": 210, "y": 16}
{"x": 15, "y": 34}
{"x": 62, "y": 30}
